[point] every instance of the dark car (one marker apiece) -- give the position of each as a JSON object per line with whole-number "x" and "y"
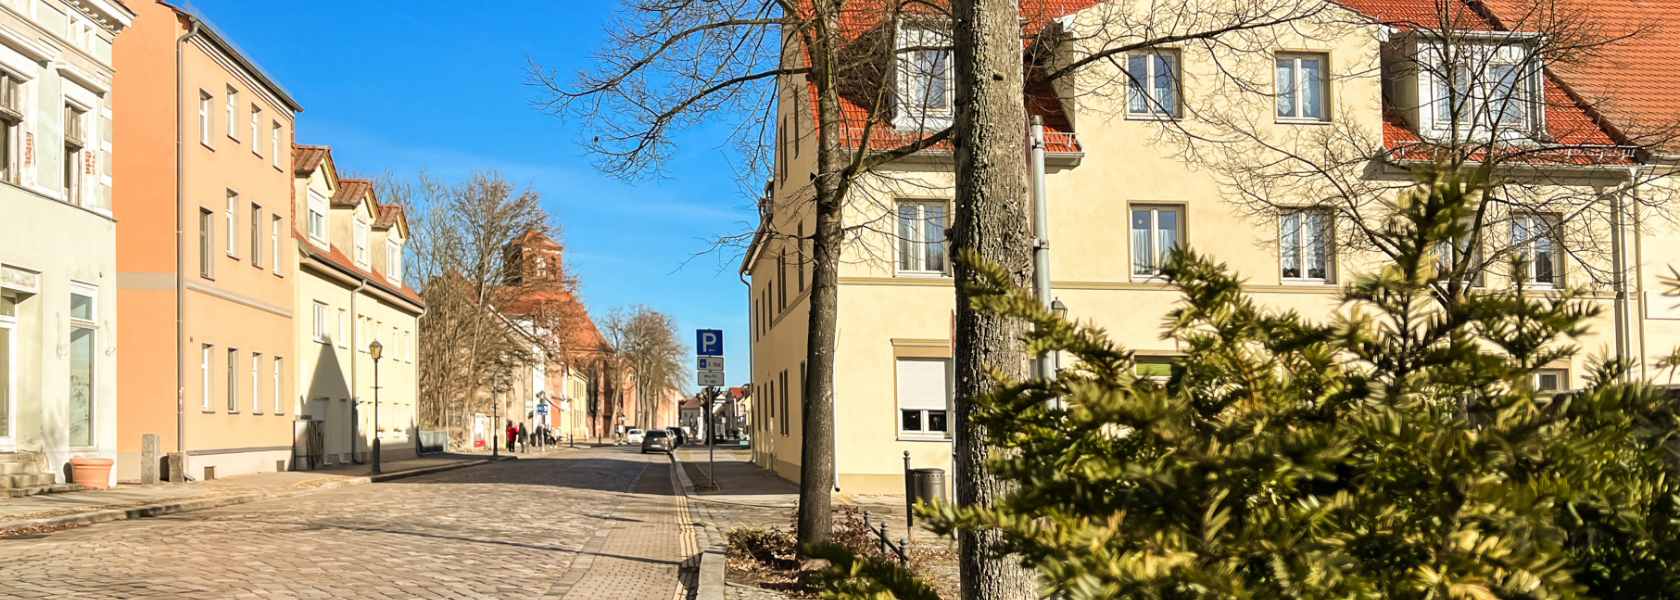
{"x": 656, "y": 439}
{"x": 677, "y": 436}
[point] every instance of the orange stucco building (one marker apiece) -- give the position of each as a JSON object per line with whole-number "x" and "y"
{"x": 205, "y": 284}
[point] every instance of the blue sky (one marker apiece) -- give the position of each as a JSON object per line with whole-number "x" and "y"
{"x": 439, "y": 85}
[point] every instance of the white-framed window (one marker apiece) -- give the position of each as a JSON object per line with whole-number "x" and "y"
{"x": 1157, "y": 229}
{"x": 1302, "y": 87}
{"x": 232, "y": 380}
{"x": 84, "y": 357}
{"x": 274, "y": 144}
{"x": 408, "y": 346}
{"x": 1481, "y": 88}
{"x": 1304, "y": 246}
{"x": 393, "y": 261}
{"x": 11, "y": 127}
{"x": 206, "y": 243}
{"x": 317, "y": 217}
{"x": 1551, "y": 380}
{"x": 921, "y": 238}
{"x": 279, "y": 363}
{"x": 1535, "y": 239}
{"x": 256, "y": 383}
{"x": 924, "y": 65}
{"x": 204, "y": 373}
{"x": 343, "y": 328}
{"x": 924, "y": 398}
{"x": 256, "y": 124}
{"x": 233, "y": 114}
{"x": 256, "y": 236}
{"x": 232, "y": 224}
{"x": 378, "y": 332}
{"x": 360, "y": 233}
{"x": 320, "y": 322}
{"x": 274, "y": 227}
{"x": 1152, "y": 84}
{"x": 204, "y": 99}
{"x": 75, "y": 136}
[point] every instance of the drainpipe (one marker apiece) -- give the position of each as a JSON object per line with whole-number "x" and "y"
{"x": 180, "y": 248}
{"x": 1041, "y": 232}
{"x": 1619, "y": 280}
{"x": 1638, "y": 264}
{"x": 355, "y": 397}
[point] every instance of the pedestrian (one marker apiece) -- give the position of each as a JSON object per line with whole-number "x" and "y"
{"x": 512, "y": 435}
{"x": 524, "y": 442}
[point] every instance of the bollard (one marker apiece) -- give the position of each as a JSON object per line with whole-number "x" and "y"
{"x": 150, "y": 464}
{"x": 909, "y": 497}
{"x": 177, "y": 467}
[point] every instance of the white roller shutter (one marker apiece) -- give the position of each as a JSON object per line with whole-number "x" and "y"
{"x": 921, "y": 384}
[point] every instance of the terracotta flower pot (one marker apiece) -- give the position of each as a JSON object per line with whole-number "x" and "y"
{"x": 92, "y": 473}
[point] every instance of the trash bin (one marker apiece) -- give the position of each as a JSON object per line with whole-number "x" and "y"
{"x": 927, "y": 485}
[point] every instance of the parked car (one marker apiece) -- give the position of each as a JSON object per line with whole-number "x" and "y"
{"x": 677, "y": 437}
{"x": 657, "y": 439}
{"x": 634, "y": 436}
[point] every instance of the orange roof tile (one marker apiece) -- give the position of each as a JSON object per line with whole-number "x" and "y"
{"x": 1632, "y": 79}
{"x": 350, "y": 192}
{"x": 305, "y": 159}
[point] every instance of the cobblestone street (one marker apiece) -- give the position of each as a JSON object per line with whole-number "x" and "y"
{"x": 597, "y": 523}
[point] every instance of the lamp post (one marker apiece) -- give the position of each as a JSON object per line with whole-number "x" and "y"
{"x": 376, "y": 350}
{"x": 495, "y": 416}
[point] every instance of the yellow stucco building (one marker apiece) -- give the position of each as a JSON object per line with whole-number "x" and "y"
{"x": 1131, "y": 175}
{"x": 350, "y": 296}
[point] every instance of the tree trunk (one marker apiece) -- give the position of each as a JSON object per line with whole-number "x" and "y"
{"x": 991, "y": 220}
{"x": 816, "y": 452}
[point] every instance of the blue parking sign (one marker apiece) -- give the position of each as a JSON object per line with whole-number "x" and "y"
{"x": 708, "y": 342}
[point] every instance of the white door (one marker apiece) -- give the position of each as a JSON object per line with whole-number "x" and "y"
{"x": 8, "y": 373}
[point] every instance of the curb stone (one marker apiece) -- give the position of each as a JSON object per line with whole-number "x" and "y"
{"x": 712, "y": 550}
{"x": 201, "y": 503}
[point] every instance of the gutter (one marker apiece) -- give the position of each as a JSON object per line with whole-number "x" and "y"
{"x": 355, "y": 391}
{"x": 180, "y": 248}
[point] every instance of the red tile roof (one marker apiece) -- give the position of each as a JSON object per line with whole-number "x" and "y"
{"x": 859, "y": 18}
{"x": 1576, "y": 136}
{"x": 337, "y": 257}
{"x": 350, "y": 192}
{"x": 580, "y": 333}
{"x": 1633, "y": 79}
{"x": 305, "y": 159}
{"x": 389, "y": 214}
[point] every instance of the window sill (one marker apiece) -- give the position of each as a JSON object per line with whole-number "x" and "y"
{"x": 207, "y": 411}
{"x": 1301, "y": 121}
{"x": 207, "y": 145}
{"x": 905, "y": 436}
{"x": 921, "y": 274}
{"x": 1160, "y": 279}
{"x": 1131, "y": 116}
{"x": 1309, "y": 282}
{"x": 233, "y": 256}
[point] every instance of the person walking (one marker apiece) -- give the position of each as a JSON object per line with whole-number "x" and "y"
{"x": 524, "y": 440}
{"x": 512, "y": 435}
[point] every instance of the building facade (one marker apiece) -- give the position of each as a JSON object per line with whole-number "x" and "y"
{"x": 58, "y": 258}
{"x": 351, "y": 295}
{"x": 1122, "y": 191}
{"x": 204, "y": 275}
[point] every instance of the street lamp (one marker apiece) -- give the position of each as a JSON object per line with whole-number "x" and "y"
{"x": 1058, "y": 309}
{"x": 376, "y": 350}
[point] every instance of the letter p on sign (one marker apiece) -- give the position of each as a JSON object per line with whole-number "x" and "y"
{"x": 708, "y": 342}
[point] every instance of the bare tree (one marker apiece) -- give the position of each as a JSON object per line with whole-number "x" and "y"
{"x": 462, "y": 269}
{"x": 646, "y": 343}
{"x": 671, "y": 64}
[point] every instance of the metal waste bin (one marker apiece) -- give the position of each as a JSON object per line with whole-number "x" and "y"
{"x": 927, "y": 485}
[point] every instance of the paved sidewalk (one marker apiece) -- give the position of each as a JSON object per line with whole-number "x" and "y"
{"x": 746, "y": 496}
{"x": 128, "y": 501}
{"x": 649, "y": 553}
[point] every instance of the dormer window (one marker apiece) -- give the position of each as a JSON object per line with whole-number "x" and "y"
{"x": 361, "y": 240}
{"x": 393, "y": 260}
{"x": 924, "y": 78}
{"x": 1479, "y": 88}
{"x": 317, "y": 218}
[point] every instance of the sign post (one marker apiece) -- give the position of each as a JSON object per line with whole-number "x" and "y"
{"x": 708, "y": 350}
